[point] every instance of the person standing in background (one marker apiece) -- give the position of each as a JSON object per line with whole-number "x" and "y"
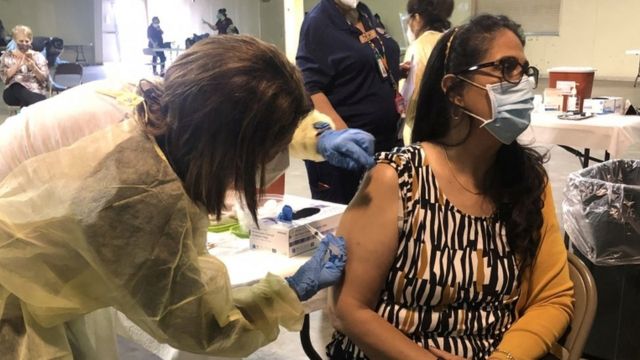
{"x": 350, "y": 66}
{"x": 428, "y": 19}
{"x": 154, "y": 34}
{"x": 224, "y": 25}
{"x": 3, "y": 36}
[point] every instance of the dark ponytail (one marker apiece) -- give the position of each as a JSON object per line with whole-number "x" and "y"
{"x": 435, "y": 14}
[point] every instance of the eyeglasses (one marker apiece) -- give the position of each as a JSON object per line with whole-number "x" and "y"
{"x": 511, "y": 70}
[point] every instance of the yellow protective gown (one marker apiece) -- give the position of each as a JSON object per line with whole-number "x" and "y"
{"x": 92, "y": 216}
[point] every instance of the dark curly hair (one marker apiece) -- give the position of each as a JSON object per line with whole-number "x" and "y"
{"x": 517, "y": 179}
{"x": 435, "y": 14}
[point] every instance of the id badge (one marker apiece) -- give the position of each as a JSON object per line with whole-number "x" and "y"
{"x": 367, "y": 36}
{"x": 382, "y": 67}
{"x": 400, "y": 108}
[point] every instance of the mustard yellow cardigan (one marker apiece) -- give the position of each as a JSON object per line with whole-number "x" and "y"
{"x": 545, "y": 306}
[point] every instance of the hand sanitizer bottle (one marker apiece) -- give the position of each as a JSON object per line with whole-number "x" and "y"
{"x": 572, "y": 101}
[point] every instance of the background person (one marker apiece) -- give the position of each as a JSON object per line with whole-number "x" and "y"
{"x": 351, "y": 67}
{"x": 3, "y": 35}
{"x": 154, "y": 35}
{"x": 428, "y": 19}
{"x": 224, "y": 25}
{"x": 453, "y": 242}
{"x": 105, "y": 197}
{"x": 24, "y": 72}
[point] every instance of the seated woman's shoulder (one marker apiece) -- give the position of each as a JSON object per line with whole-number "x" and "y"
{"x": 401, "y": 157}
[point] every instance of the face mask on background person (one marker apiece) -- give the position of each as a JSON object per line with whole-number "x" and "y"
{"x": 411, "y": 37}
{"x": 350, "y": 3}
{"x": 511, "y": 106}
{"x": 24, "y": 47}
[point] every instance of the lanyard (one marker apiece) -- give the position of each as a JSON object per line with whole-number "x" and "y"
{"x": 381, "y": 57}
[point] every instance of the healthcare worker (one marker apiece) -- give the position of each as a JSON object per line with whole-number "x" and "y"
{"x": 105, "y": 196}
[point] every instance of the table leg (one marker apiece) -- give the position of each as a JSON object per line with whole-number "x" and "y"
{"x": 307, "y": 346}
{"x": 585, "y": 158}
{"x": 80, "y": 54}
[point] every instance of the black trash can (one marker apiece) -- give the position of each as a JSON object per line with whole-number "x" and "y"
{"x": 601, "y": 213}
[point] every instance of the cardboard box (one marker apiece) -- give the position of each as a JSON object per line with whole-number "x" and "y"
{"x": 604, "y": 105}
{"x": 294, "y": 238}
{"x": 552, "y": 99}
{"x": 614, "y": 104}
{"x": 594, "y": 106}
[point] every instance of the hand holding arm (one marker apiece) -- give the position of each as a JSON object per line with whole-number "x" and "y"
{"x": 320, "y": 271}
{"x": 348, "y": 148}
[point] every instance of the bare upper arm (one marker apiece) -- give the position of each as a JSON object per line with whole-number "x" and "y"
{"x": 370, "y": 229}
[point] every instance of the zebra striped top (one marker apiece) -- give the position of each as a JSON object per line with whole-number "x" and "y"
{"x": 453, "y": 282}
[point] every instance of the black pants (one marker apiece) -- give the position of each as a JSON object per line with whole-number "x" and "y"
{"x": 159, "y": 55}
{"x": 18, "y": 95}
{"x": 331, "y": 183}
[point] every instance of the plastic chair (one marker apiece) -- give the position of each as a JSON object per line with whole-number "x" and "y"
{"x": 586, "y": 304}
{"x": 67, "y": 75}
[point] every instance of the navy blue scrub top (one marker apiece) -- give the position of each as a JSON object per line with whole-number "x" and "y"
{"x": 334, "y": 61}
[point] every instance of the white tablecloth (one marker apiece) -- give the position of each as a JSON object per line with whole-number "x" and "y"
{"x": 611, "y": 132}
{"x": 245, "y": 267}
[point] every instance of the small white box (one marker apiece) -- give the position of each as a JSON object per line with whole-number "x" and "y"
{"x": 294, "y": 238}
{"x": 614, "y": 104}
{"x": 604, "y": 105}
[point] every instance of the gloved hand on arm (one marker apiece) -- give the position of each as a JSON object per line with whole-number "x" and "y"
{"x": 351, "y": 149}
{"x": 320, "y": 271}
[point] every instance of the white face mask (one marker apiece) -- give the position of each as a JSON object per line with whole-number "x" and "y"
{"x": 411, "y": 37}
{"x": 274, "y": 168}
{"x": 350, "y": 3}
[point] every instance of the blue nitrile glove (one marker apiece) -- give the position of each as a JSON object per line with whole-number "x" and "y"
{"x": 286, "y": 215}
{"x": 319, "y": 271}
{"x": 351, "y": 149}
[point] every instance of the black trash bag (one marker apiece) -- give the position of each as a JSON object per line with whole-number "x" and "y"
{"x": 52, "y": 45}
{"x": 601, "y": 212}
{"x": 39, "y": 43}
{"x": 194, "y": 39}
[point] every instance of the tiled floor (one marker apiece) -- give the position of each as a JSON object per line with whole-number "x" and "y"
{"x": 287, "y": 346}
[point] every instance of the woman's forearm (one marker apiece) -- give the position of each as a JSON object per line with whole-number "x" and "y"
{"x": 378, "y": 339}
{"x": 11, "y": 72}
{"x": 322, "y": 104}
{"x": 38, "y": 73}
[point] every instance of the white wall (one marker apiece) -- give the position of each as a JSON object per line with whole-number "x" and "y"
{"x": 61, "y": 18}
{"x": 592, "y": 33}
{"x": 181, "y": 19}
{"x": 272, "y": 22}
